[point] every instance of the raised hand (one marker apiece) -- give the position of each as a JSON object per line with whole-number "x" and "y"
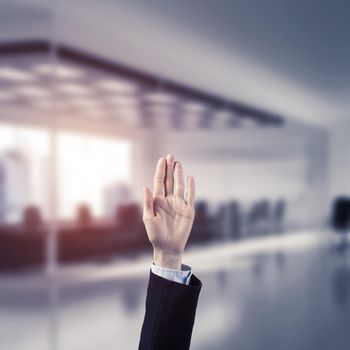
{"x": 167, "y": 216}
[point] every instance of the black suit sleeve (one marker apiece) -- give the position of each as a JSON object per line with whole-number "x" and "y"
{"x": 170, "y": 313}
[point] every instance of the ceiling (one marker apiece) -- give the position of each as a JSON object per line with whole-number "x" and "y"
{"x": 93, "y": 100}
{"x": 79, "y": 86}
{"x": 291, "y": 57}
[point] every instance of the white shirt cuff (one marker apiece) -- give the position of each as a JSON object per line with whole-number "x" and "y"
{"x": 183, "y": 276}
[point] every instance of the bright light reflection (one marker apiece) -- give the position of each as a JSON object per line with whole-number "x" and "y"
{"x": 32, "y": 91}
{"x": 222, "y": 118}
{"x": 247, "y": 123}
{"x": 94, "y": 113}
{"x": 73, "y": 89}
{"x": 192, "y": 120}
{"x": 295, "y": 241}
{"x": 85, "y": 102}
{"x": 24, "y": 157}
{"x": 59, "y": 70}
{"x": 194, "y": 107}
{"x": 121, "y": 86}
{"x": 14, "y": 74}
{"x": 160, "y": 97}
{"x": 88, "y": 165}
{"x": 5, "y": 96}
{"x": 123, "y": 101}
{"x": 129, "y": 116}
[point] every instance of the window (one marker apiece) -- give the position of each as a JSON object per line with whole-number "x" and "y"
{"x": 24, "y": 157}
{"x": 91, "y": 170}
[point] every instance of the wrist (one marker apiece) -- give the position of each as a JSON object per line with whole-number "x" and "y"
{"x": 166, "y": 259}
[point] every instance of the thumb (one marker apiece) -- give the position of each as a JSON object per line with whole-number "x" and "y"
{"x": 147, "y": 202}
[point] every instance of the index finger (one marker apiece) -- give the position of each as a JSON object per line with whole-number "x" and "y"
{"x": 190, "y": 191}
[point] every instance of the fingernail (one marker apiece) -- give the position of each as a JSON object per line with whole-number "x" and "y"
{"x": 170, "y": 156}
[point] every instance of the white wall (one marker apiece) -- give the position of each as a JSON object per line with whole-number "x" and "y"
{"x": 252, "y": 164}
{"x": 340, "y": 160}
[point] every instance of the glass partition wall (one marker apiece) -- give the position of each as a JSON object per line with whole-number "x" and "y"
{"x": 79, "y": 135}
{"x": 81, "y": 129}
{"x": 69, "y": 120}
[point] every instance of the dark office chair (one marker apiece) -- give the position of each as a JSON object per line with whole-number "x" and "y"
{"x": 341, "y": 214}
{"x": 84, "y": 215}
{"x": 32, "y": 218}
{"x": 259, "y": 217}
{"x": 341, "y": 222}
{"x": 202, "y": 225}
{"x": 235, "y": 219}
{"x": 127, "y": 215}
{"x": 131, "y": 232}
{"x": 229, "y": 220}
{"x": 278, "y": 215}
{"x": 201, "y": 209}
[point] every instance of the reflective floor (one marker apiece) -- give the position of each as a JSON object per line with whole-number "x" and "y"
{"x": 284, "y": 292}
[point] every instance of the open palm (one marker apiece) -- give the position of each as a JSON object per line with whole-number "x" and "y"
{"x": 167, "y": 216}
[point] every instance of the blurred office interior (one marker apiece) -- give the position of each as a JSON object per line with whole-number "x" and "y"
{"x": 251, "y": 96}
